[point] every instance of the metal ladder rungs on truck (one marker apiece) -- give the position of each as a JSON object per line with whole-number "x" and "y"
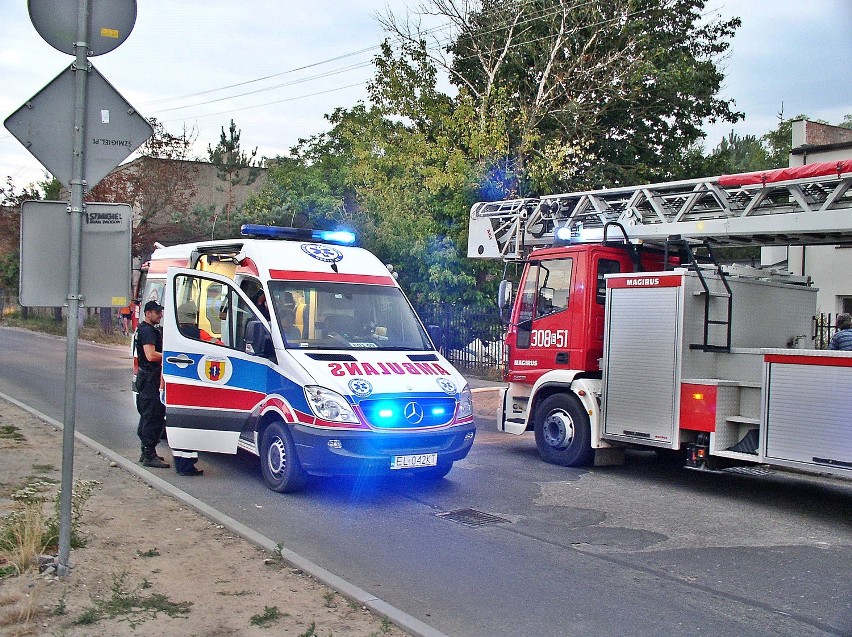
{"x": 777, "y": 207}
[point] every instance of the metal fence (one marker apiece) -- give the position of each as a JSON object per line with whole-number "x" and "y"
{"x": 472, "y": 336}
{"x": 823, "y": 329}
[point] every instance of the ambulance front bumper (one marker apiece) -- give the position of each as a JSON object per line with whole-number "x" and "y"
{"x": 342, "y": 452}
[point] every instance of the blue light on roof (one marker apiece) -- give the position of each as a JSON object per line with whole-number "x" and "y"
{"x": 340, "y": 237}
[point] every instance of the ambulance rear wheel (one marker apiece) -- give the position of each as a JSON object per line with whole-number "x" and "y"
{"x": 279, "y": 462}
{"x": 562, "y": 432}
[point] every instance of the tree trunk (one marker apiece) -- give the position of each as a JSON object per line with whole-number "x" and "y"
{"x": 106, "y": 320}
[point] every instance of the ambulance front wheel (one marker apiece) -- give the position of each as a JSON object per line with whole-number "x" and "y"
{"x": 562, "y": 432}
{"x": 279, "y": 462}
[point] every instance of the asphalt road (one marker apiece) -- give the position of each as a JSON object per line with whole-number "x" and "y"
{"x": 508, "y": 545}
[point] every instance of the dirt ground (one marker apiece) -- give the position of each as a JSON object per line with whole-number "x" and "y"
{"x": 151, "y": 566}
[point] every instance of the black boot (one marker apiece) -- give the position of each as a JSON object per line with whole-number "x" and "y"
{"x": 143, "y": 453}
{"x": 151, "y": 459}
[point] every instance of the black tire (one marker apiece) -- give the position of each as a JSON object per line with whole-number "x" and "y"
{"x": 562, "y": 432}
{"x": 435, "y": 473}
{"x": 279, "y": 461}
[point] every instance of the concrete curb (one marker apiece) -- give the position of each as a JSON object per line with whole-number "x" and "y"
{"x": 345, "y": 588}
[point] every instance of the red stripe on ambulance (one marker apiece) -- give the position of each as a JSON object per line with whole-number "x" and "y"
{"x": 181, "y": 395}
{"x": 330, "y": 277}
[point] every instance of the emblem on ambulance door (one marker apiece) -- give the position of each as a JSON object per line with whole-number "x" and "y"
{"x": 214, "y": 369}
{"x": 326, "y": 254}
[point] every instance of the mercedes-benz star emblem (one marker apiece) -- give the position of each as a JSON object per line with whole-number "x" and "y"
{"x": 413, "y": 413}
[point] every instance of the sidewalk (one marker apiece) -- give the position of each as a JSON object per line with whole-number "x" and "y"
{"x": 153, "y": 560}
{"x": 153, "y": 565}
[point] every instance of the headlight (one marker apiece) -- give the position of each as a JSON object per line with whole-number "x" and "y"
{"x": 329, "y": 405}
{"x": 465, "y": 403}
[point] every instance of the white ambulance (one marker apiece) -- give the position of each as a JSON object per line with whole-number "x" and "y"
{"x": 332, "y": 373}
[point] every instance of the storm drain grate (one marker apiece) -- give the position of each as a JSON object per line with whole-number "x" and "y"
{"x": 471, "y": 517}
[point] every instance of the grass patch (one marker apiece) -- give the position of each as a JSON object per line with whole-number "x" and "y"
{"x": 32, "y": 527}
{"x": 384, "y": 629}
{"x": 269, "y": 615}
{"x": 130, "y": 606}
{"x": 11, "y": 432}
{"x": 149, "y": 553}
{"x": 43, "y": 468}
{"x": 90, "y": 330}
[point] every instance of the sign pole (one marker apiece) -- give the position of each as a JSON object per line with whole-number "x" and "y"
{"x": 81, "y": 76}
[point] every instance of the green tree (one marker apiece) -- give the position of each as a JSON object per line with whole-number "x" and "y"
{"x": 10, "y": 229}
{"x": 736, "y": 154}
{"x": 233, "y": 166}
{"x": 593, "y": 93}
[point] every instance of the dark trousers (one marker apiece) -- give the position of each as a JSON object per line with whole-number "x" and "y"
{"x": 152, "y": 412}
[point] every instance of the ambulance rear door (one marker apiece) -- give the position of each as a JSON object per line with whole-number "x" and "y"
{"x": 214, "y": 377}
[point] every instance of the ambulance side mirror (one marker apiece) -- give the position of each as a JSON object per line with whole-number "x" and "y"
{"x": 259, "y": 340}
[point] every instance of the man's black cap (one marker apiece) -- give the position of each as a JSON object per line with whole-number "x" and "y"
{"x": 153, "y": 306}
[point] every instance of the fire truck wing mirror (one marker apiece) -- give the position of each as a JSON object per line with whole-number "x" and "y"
{"x": 504, "y": 300}
{"x": 259, "y": 340}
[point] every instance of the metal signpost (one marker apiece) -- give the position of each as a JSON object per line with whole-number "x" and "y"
{"x": 79, "y": 147}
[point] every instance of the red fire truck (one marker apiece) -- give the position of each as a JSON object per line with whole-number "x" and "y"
{"x": 625, "y": 330}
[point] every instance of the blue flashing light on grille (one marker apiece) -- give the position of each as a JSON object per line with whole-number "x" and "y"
{"x": 405, "y": 413}
{"x": 340, "y": 237}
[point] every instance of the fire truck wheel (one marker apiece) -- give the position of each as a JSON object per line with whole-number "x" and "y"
{"x": 279, "y": 463}
{"x": 562, "y": 432}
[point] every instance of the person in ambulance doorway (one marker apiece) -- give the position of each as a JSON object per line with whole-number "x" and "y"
{"x": 187, "y": 316}
{"x": 259, "y": 299}
{"x": 152, "y": 412}
{"x": 842, "y": 339}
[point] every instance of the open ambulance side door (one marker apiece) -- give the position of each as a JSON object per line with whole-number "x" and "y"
{"x": 214, "y": 379}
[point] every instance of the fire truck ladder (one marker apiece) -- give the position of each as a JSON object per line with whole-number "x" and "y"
{"x": 687, "y": 252}
{"x": 795, "y": 206}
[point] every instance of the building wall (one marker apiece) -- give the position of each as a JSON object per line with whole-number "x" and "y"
{"x": 813, "y": 143}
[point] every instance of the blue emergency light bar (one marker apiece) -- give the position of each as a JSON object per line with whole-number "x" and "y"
{"x": 259, "y": 231}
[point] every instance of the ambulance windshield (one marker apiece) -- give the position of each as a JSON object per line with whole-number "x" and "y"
{"x": 314, "y": 315}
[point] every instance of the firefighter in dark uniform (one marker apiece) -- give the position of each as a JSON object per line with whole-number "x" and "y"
{"x": 152, "y": 412}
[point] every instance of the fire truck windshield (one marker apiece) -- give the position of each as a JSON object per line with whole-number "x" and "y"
{"x": 314, "y": 315}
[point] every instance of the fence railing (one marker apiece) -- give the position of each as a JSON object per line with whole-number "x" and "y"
{"x": 823, "y": 329}
{"x": 472, "y": 336}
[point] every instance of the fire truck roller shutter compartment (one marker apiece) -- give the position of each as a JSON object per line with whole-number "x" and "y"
{"x": 642, "y": 334}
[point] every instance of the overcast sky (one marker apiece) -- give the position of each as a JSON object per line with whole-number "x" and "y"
{"x": 315, "y": 56}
